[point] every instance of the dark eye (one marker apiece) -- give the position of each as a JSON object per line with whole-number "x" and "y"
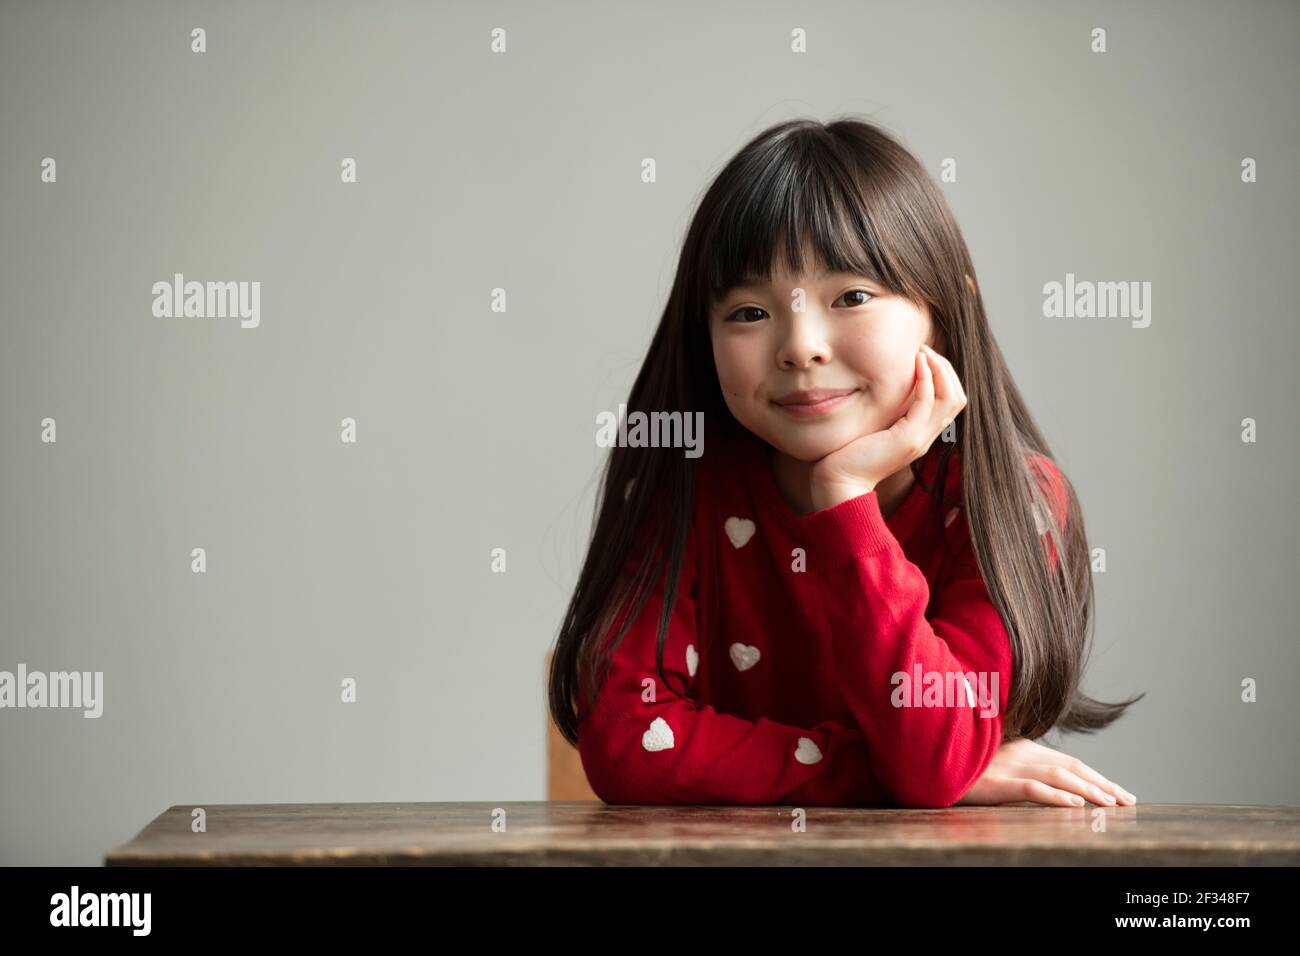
{"x": 743, "y": 309}
{"x": 869, "y": 296}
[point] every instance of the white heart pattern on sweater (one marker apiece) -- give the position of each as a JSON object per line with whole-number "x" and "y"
{"x": 692, "y": 659}
{"x": 807, "y": 751}
{"x": 744, "y": 656}
{"x": 739, "y": 530}
{"x": 658, "y": 737}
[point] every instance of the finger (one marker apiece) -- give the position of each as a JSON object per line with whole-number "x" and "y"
{"x": 944, "y": 408}
{"x": 1066, "y": 779}
{"x": 906, "y": 422}
{"x": 1040, "y": 792}
{"x": 922, "y": 407}
{"x": 952, "y": 384}
{"x": 919, "y": 386}
{"x": 945, "y": 405}
{"x": 948, "y": 388}
{"x": 1087, "y": 773}
{"x": 942, "y": 387}
{"x": 1077, "y": 766}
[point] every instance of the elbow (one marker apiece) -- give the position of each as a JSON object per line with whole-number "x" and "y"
{"x": 608, "y": 771}
{"x": 621, "y": 771}
{"x": 614, "y": 784}
{"x": 598, "y": 763}
{"x": 606, "y": 787}
{"x": 952, "y": 777}
{"x": 610, "y": 783}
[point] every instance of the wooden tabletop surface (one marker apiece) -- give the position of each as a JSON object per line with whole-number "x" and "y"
{"x": 592, "y": 833}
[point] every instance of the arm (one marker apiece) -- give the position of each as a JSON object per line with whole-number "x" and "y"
{"x": 671, "y": 750}
{"x": 875, "y": 601}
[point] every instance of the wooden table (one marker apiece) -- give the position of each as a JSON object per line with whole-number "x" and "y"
{"x": 592, "y": 833}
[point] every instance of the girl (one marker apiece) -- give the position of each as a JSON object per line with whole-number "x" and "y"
{"x": 829, "y": 605}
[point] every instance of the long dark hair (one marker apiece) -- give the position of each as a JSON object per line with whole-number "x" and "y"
{"x": 856, "y": 200}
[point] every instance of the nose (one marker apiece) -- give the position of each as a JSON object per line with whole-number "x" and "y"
{"x": 805, "y": 340}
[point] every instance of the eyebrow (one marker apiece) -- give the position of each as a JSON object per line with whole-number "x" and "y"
{"x": 752, "y": 281}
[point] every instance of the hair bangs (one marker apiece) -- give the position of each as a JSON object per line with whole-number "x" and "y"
{"x": 799, "y": 209}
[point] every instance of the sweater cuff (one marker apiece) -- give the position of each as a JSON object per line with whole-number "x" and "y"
{"x": 835, "y": 536}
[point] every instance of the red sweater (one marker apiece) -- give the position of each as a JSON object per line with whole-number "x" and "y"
{"x": 798, "y": 670}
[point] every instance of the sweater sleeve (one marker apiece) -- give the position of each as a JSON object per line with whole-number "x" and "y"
{"x": 921, "y": 689}
{"x": 641, "y": 742}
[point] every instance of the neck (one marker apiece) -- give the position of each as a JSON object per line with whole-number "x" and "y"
{"x": 793, "y": 478}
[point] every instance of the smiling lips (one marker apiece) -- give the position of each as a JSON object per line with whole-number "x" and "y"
{"x": 815, "y": 401}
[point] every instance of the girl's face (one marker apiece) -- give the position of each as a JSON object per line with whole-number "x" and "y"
{"x": 852, "y": 336}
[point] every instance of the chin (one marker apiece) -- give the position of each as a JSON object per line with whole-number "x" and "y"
{"x": 810, "y": 448}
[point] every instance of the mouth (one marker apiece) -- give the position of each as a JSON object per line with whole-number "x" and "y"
{"x": 814, "y": 402}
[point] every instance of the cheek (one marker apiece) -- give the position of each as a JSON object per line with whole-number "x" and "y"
{"x": 736, "y": 373}
{"x": 885, "y": 364}
{"x": 874, "y": 358}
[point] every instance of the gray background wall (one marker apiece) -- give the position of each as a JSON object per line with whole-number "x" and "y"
{"x": 521, "y": 170}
